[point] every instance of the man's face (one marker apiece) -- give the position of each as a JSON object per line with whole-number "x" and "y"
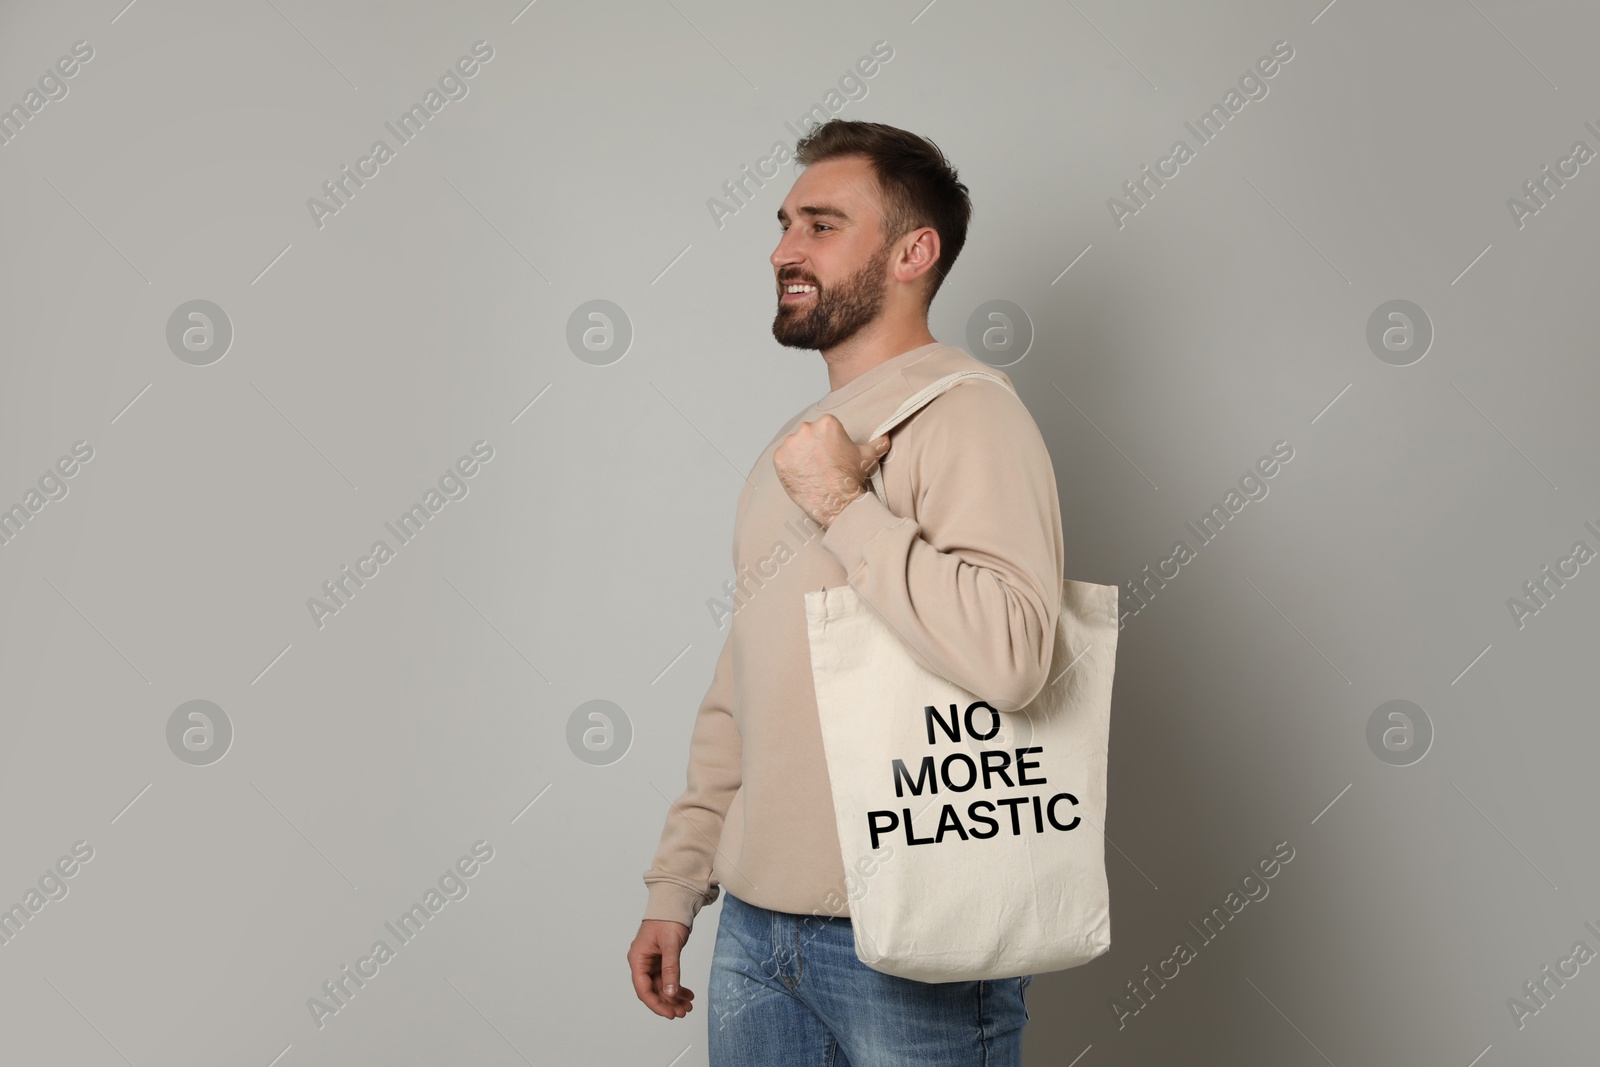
{"x": 833, "y": 240}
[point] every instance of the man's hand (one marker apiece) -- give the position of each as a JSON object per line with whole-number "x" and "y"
{"x": 653, "y": 958}
{"x": 822, "y": 470}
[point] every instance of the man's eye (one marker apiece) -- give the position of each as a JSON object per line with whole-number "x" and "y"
{"x": 823, "y": 226}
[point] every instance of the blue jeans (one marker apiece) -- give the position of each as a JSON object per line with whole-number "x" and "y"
{"x": 788, "y": 991}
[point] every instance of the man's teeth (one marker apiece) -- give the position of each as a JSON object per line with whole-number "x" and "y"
{"x": 800, "y": 289}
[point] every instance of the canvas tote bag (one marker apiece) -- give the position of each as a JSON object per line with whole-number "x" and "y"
{"x": 955, "y": 874}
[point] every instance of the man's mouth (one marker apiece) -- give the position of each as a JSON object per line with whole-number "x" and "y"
{"x": 796, "y": 292}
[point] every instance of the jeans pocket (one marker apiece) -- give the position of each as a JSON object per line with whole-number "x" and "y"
{"x": 1022, "y": 987}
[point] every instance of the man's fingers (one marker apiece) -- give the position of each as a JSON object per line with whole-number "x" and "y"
{"x": 653, "y": 964}
{"x": 644, "y": 987}
{"x": 873, "y": 451}
{"x": 669, "y": 969}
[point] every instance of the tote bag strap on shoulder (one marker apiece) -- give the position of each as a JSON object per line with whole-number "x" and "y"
{"x": 915, "y": 403}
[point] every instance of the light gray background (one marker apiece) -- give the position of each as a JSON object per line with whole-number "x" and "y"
{"x": 433, "y": 710}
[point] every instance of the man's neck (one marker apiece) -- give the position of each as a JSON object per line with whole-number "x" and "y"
{"x": 860, "y": 354}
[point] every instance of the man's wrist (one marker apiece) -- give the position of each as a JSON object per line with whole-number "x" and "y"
{"x": 855, "y": 527}
{"x": 839, "y": 503}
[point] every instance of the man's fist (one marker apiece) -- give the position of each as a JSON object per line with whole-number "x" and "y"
{"x": 822, "y": 470}
{"x": 653, "y": 959}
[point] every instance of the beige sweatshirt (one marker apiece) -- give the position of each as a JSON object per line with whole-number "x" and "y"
{"x": 965, "y": 562}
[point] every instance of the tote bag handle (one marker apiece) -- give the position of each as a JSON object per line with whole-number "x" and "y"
{"x": 915, "y": 403}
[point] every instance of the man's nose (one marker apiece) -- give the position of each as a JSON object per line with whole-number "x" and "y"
{"x": 785, "y": 253}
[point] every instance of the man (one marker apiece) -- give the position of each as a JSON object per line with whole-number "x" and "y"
{"x": 965, "y": 562}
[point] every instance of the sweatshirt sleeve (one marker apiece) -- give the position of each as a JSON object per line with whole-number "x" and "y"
{"x": 971, "y": 582}
{"x": 679, "y": 880}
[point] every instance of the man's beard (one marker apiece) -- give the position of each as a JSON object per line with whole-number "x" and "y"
{"x": 837, "y": 313}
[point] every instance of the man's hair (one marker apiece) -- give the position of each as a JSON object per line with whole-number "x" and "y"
{"x": 919, "y": 185}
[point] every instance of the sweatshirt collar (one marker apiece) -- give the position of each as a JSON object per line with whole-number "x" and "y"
{"x": 873, "y": 375}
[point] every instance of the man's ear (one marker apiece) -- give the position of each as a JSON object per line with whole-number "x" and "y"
{"x": 921, "y": 255}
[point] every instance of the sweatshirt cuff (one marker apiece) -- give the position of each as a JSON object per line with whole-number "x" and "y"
{"x": 669, "y": 900}
{"x": 862, "y": 519}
